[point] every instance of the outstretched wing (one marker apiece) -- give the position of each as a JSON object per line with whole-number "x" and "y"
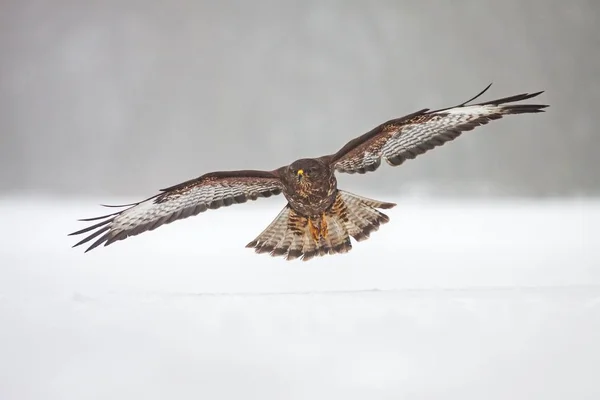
{"x": 210, "y": 191}
{"x": 405, "y": 138}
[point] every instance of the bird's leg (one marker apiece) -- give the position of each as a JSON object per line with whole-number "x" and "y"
{"x": 318, "y": 228}
{"x": 324, "y": 230}
{"x": 314, "y": 230}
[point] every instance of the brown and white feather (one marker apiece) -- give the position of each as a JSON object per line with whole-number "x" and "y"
{"x": 289, "y": 234}
{"x": 405, "y": 138}
{"x": 210, "y": 191}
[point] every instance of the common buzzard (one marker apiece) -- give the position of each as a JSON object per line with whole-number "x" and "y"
{"x": 319, "y": 218}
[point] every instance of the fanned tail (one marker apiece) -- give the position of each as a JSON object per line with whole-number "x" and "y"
{"x": 292, "y": 235}
{"x": 360, "y": 214}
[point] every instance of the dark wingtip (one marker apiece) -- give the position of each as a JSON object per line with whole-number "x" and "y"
{"x": 102, "y": 239}
{"x": 465, "y": 103}
{"x": 477, "y": 95}
{"x": 97, "y": 218}
{"x": 526, "y": 96}
{"x": 512, "y": 99}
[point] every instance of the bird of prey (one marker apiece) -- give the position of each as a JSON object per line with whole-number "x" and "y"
{"x": 319, "y": 218}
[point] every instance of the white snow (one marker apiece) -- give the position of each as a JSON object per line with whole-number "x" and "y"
{"x": 452, "y": 299}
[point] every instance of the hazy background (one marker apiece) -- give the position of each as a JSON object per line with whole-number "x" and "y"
{"x": 125, "y": 97}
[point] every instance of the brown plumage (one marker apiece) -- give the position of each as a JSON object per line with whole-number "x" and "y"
{"x": 319, "y": 218}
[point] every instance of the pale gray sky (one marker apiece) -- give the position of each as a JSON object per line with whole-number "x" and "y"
{"x": 126, "y": 97}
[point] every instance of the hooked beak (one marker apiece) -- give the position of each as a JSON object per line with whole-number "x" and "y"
{"x": 300, "y": 174}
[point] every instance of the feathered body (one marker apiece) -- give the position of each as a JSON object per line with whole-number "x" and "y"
{"x": 319, "y": 218}
{"x": 309, "y": 185}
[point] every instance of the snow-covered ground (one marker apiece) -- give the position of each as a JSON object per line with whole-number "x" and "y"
{"x": 450, "y": 300}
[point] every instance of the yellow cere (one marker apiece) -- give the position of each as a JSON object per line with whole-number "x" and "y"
{"x": 300, "y": 172}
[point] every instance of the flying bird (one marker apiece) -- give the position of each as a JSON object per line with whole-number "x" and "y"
{"x": 319, "y": 218}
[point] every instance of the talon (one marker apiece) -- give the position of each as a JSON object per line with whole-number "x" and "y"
{"x": 324, "y": 228}
{"x": 318, "y": 230}
{"x": 314, "y": 231}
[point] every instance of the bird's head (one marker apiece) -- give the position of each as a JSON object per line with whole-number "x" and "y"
{"x": 308, "y": 170}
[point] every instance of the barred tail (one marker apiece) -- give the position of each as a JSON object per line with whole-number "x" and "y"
{"x": 293, "y": 235}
